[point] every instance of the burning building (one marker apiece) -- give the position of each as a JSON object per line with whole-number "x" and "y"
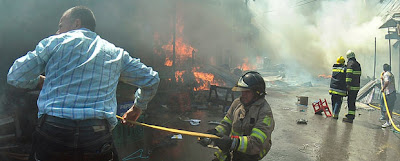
{"x": 192, "y": 44}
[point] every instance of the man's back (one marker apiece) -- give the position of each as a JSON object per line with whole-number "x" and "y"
{"x": 354, "y": 72}
{"x": 389, "y": 77}
{"x": 82, "y": 72}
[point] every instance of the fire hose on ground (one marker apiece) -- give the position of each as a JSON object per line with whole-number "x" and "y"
{"x": 387, "y": 111}
{"x": 183, "y": 132}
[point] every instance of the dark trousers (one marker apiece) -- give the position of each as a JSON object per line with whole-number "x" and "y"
{"x": 336, "y": 103}
{"x": 351, "y": 103}
{"x": 390, "y": 100}
{"x": 57, "y": 139}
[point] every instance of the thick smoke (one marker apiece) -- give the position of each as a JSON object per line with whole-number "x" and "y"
{"x": 309, "y": 35}
{"x": 220, "y": 31}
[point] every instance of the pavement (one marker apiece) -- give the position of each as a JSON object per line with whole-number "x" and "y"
{"x": 324, "y": 138}
{"x": 321, "y": 139}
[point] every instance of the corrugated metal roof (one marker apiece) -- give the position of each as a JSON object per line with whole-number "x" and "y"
{"x": 392, "y": 22}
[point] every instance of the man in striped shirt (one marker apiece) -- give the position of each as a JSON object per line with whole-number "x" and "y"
{"x": 77, "y": 102}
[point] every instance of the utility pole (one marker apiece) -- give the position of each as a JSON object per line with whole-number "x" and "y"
{"x": 398, "y": 46}
{"x": 390, "y": 50}
{"x": 375, "y": 59}
{"x": 173, "y": 41}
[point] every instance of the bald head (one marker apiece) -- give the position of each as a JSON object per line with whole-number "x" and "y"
{"x": 85, "y": 15}
{"x": 75, "y": 18}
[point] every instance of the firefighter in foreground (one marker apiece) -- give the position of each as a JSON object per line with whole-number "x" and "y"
{"x": 353, "y": 74}
{"x": 246, "y": 129}
{"x": 338, "y": 86}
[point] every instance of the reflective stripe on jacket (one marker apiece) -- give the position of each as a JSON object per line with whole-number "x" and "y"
{"x": 338, "y": 80}
{"x": 353, "y": 74}
{"x": 253, "y": 127}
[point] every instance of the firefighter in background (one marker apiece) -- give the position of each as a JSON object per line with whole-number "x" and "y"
{"x": 246, "y": 129}
{"x": 353, "y": 74}
{"x": 338, "y": 86}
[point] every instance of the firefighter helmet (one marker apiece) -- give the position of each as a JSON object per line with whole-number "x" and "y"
{"x": 251, "y": 80}
{"x": 350, "y": 54}
{"x": 340, "y": 60}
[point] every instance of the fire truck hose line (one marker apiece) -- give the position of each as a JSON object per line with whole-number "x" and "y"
{"x": 183, "y": 132}
{"x": 394, "y": 113}
{"x": 387, "y": 111}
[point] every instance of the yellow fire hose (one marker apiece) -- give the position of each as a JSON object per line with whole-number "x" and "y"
{"x": 394, "y": 113}
{"x": 387, "y": 111}
{"x": 184, "y": 132}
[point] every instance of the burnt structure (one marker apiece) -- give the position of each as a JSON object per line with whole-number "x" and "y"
{"x": 215, "y": 37}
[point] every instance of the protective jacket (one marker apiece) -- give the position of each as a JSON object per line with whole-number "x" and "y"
{"x": 353, "y": 74}
{"x": 338, "y": 80}
{"x": 252, "y": 125}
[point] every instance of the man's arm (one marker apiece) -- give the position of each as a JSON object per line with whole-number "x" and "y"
{"x": 132, "y": 114}
{"x": 349, "y": 75}
{"x": 26, "y": 70}
{"x": 138, "y": 74}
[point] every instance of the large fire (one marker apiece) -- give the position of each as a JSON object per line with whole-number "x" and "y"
{"x": 246, "y": 65}
{"x": 205, "y": 80}
{"x": 183, "y": 51}
{"x": 183, "y": 54}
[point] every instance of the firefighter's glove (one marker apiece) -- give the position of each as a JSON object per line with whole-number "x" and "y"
{"x": 226, "y": 143}
{"x": 205, "y": 141}
{"x": 212, "y": 131}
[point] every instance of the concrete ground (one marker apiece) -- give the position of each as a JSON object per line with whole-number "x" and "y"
{"x": 324, "y": 138}
{"x": 321, "y": 139}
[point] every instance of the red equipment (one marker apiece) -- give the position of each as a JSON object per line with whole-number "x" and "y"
{"x": 320, "y": 106}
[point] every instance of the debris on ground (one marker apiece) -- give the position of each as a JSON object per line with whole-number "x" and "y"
{"x": 302, "y": 121}
{"x": 178, "y": 136}
{"x": 193, "y": 122}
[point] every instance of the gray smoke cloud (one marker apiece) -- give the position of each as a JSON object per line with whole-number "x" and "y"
{"x": 309, "y": 35}
{"x": 220, "y": 31}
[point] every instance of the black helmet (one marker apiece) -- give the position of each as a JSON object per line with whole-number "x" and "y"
{"x": 251, "y": 80}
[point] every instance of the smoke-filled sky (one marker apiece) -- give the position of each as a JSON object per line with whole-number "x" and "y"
{"x": 307, "y": 35}
{"x": 311, "y": 34}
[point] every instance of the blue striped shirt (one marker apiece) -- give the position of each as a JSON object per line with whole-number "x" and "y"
{"x": 82, "y": 72}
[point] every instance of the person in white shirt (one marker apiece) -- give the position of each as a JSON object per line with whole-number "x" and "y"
{"x": 389, "y": 89}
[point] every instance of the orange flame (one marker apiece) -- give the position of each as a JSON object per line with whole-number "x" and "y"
{"x": 246, "y": 66}
{"x": 178, "y": 76}
{"x": 205, "y": 80}
{"x": 183, "y": 51}
{"x": 168, "y": 62}
{"x": 324, "y": 76}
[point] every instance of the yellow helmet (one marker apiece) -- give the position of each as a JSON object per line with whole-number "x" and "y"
{"x": 340, "y": 60}
{"x": 350, "y": 54}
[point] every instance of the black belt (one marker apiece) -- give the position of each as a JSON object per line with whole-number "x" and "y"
{"x": 73, "y": 123}
{"x": 96, "y": 124}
